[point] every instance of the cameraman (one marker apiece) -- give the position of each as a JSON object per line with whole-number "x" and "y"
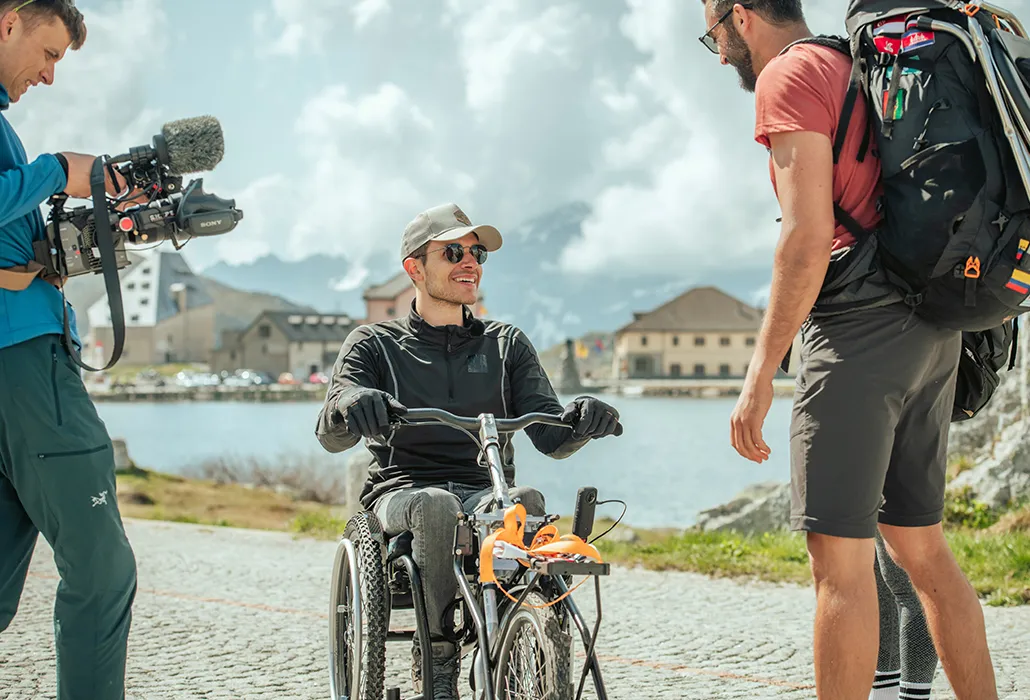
{"x": 56, "y": 462}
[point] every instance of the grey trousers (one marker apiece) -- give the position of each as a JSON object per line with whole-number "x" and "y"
{"x": 430, "y": 513}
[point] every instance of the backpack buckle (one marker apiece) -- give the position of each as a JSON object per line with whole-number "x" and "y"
{"x": 972, "y": 270}
{"x": 970, "y": 9}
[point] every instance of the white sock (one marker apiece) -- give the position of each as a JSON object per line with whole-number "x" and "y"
{"x": 886, "y": 685}
{"x": 915, "y": 691}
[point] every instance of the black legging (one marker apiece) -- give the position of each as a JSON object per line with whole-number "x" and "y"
{"x": 905, "y": 643}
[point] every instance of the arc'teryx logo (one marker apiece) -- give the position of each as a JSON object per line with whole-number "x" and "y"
{"x": 100, "y": 500}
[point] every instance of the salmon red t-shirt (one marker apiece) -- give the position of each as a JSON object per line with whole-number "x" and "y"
{"x": 803, "y": 90}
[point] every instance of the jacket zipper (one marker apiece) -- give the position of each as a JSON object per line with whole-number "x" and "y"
{"x": 450, "y": 374}
{"x": 53, "y": 383}
{"x": 71, "y": 453}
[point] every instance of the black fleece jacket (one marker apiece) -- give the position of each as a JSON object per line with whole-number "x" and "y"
{"x": 478, "y": 367}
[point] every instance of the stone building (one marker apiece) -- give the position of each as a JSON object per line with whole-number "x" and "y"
{"x": 703, "y": 332}
{"x": 285, "y": 341}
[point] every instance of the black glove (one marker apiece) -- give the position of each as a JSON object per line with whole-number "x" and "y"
{"x": 368, "y": 412}
{"x": 592, "y": 418}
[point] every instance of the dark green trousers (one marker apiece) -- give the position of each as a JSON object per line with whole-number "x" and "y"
{"x": 57, "y": 478}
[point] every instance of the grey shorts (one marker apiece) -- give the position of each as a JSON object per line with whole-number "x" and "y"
{"x": 869, "y": 430}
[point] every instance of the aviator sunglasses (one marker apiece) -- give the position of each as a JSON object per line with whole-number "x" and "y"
{"x": 455, "y": 252}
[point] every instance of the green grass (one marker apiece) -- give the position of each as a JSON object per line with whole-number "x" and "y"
{"x": 992, "y": 548}
{"x": 777, "y": 556}
{"x": 319, "y": 524}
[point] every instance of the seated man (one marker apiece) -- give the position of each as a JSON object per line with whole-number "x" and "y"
{"x": 440, "y": 356}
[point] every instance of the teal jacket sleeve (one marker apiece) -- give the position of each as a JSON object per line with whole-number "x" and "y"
{"x": 25, "y": 187}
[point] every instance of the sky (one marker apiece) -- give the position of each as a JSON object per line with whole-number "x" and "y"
{"x": 345, "y": 118}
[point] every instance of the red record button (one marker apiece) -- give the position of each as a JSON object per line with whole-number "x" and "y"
{"x": 125, "y": 224}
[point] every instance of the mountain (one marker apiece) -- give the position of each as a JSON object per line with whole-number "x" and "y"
{"x": 521, "y": 284}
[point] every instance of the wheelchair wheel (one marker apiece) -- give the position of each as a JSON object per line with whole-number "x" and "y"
{"x": 358, "y": 613}
{"x": 535, "y": 660}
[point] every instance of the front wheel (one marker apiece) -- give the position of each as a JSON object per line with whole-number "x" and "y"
{"x": 535, "y": 661}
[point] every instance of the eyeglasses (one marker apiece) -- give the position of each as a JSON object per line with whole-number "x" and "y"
{"x": 455, "y": 252}
{"x": 708, "y": 39}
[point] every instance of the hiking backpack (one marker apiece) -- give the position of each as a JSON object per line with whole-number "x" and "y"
{"x": 947, "y": 88}
{"x": 983, "y": 356}
{"x": 947, "y": 85}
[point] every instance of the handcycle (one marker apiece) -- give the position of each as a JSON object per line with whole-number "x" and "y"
{"x": 374, "y": 574}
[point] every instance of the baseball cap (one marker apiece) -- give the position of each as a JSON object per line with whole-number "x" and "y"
{"x": 445, "y": 222}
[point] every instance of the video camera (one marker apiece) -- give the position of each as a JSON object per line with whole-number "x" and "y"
{"x": 76, "y": 244}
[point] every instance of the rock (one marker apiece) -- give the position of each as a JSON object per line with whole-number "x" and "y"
{"x": 288, "y": 491}
{"x": 970, "y": 437}
{"x": 136, "y": 498}
{"x": 357, "y": 473}
{"x": 619, "y": 534}
{"x": 121, "y": 455}
{"x": 759, "y": 508}
{"x": 1001, "y": 474}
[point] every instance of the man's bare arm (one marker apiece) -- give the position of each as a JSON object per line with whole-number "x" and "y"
{"x": 803, "y": 168}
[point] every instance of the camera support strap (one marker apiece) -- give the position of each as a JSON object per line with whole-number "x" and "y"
{"x": 103, "y": 237}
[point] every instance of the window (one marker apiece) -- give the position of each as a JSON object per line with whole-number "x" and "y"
{"x": 675, "y": 370}
{"x": 699, "y": 370}
{"x": 745, "y": 369}
{"x": 146, "y": 271}
{"x": 724, "y": 341}
{"x": 264, "y": 331}
{"x": 144, "y": 301}
{"x": 134, "y": 318}
{"x": 130, "y": 286}
{"x": 641, "y": 365}
{"x": 675, "y": 340}
{"x": 643, "y": 340}
{"x": 750, "y": 341}
{"x": 144, "y": 285}
{"x": 724, "y": 370}
{"x": 264, "y": 349}
{"x": 389, "y": 312}
{"x": 699, "y": 340}
{"x": 232, "y": 356}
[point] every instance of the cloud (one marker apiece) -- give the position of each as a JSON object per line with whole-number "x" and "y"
{"x": 691, "y": 188}
{"x": 294, "y": 27}
{"x": 369, "y": 166}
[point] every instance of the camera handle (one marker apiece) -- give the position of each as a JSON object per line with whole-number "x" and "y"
{"x": 103, "y": 236}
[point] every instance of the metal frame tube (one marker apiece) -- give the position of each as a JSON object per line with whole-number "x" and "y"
{"x": 1004, "y": 14}
{"x": 482, "y": 659}
{"x": 421, "y": 625}
{"x": 1019, "y": 151}
{"x": 581, "y": 625}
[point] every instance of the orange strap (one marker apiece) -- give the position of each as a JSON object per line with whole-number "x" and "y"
{"x": 546, "y": 543}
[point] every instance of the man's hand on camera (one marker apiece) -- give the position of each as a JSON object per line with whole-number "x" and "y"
{"x": 80, "y": 167}
{"x": 592, "y": 418}
{"x": 368, "y": 412}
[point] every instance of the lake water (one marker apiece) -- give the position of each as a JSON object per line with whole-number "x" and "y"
{"x": 673, "y": 460}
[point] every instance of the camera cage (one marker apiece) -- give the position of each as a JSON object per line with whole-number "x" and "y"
{"x": 98, "y": 242}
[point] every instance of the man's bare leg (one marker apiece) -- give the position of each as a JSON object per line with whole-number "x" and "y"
{"x": 847, "y": 616}
{"x": 953, "y": 612}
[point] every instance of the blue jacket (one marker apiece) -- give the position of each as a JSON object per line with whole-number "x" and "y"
{"x": 24, "y": 186}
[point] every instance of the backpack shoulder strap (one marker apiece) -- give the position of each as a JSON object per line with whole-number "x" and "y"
{"x": 843, "y": 46}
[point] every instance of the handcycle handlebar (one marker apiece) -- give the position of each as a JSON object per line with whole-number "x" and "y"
{"x": 425, "y": 416}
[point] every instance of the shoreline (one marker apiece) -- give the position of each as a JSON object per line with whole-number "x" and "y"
{"x": 995, "y": 556}
{"x": 689, "y": 388}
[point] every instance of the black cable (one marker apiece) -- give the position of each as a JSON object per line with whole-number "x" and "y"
{"x": 624, "y": 508}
